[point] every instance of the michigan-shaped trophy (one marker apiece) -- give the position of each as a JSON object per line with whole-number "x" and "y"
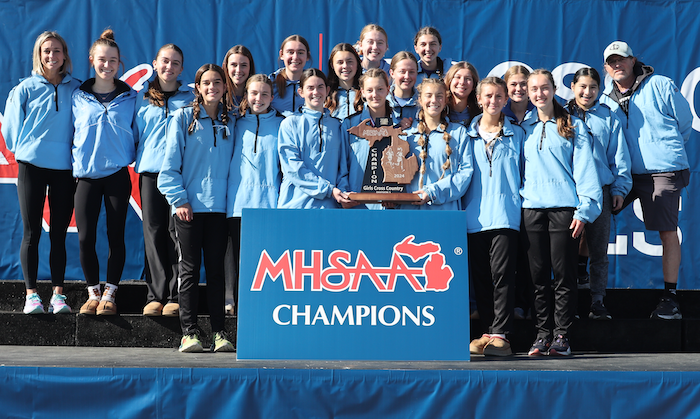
{"x": 390, "y": 164}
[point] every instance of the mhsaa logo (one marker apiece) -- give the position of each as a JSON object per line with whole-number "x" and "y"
{"x": 344, "y": 275}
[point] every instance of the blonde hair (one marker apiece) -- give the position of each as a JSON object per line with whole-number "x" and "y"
{"x": 369, "y": 28}
{"x": 423, "y": 128}
{"x": 38, "y": 66}
{"x": 516, "y": 69}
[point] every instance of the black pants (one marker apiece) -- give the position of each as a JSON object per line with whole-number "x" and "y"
{"x": 206, "y": 232}
{"x": 32, "y": 182}
{"x": 492, "y": 261}
{"x": 233, "y": 257}
{"x": 551, "y": 249}
{"x": 89, "y": 193}
{"x": 159, "y": 242}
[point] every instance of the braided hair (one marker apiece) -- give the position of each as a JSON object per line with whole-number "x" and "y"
{"x": 423, "y": 129}
{"x": 198, "y": 100}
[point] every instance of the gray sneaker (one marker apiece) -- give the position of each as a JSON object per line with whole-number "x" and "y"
{"x": 667, "y": 310}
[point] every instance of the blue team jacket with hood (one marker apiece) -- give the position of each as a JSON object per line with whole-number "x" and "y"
{"x": 409, "y": 110}
{"x": 444, "y": 189}
{"x": 195, "y": 167}
{"x": 291, "y": 102}
{"x": 103, "y": 142}
{"x": 37, "y": 125}
{"x": 493, "y": 198}
{"x": 346, "y": 101}
{"x": 657, "y": 127}
{"x": 150, "y": 127}
{"x": 422, "y": 74}
{"x": 313, "y": 154}
{"x": 558, "y": 172}
{"x": 254, "y": 175}
{"x": 610, "y": 152}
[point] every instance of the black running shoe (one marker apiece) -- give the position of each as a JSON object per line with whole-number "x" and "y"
{"x": 667, "y": 310}
{"x": 599, "y": 312}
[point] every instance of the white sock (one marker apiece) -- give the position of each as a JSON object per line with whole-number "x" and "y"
{"x": 94, "y": 292}
{"x": 110, "y": 293}
{"x": 498, "y": 335}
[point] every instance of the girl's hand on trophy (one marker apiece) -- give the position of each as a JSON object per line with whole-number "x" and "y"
{"x": 341, "y": 197}
{"x": 406, "y": 123}
{"x": 424, "y": 198}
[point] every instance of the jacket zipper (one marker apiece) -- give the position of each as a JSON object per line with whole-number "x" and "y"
{"x": 257, "y": 128}
{"x": 544, "y": 134}
{"x": 55, "y": 97}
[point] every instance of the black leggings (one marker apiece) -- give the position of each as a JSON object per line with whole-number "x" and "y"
{"x": 116, "y": 190}
{"x": 32, "y": 182}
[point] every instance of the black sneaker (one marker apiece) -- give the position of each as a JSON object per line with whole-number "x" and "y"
{"x": 667, "y": 310}
{"x": 599, "y": 312}
{"x": 540, "y": 347}
{"x": 560, "y": 346}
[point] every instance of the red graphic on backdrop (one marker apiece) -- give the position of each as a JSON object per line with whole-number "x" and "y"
{"x": 135, "y": 77}
{"x": 344, "y": 275}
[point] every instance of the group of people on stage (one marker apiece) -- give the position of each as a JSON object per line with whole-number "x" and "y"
{"x": 533, "y": 176}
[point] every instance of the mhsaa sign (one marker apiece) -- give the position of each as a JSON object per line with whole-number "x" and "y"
{"x": 347, "y": 284}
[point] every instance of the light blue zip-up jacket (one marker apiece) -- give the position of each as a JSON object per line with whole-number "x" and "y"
{"x": 291, "y": 102}
{"x": 313, "y": 162}
{"x": 410, "y": 110}
{"x": 493, "y": 198}
{"x": 357, "y": 156}
{"x": 610, "y": 152}
{"x": 560, "y": 173}
{"x": 103, "y": 142}
{"x": 254, "y": 175}
{"x": 446, "y": 64}
{"x": 460, "y": 117}
{"x": 37, "y": 125}
{"x": 150, "y": 127}
{"x": 346, "y": 100}
{"x": 444, "y": 189}
{"x": 195, "y": 167}
{"x": 658, "y": 126}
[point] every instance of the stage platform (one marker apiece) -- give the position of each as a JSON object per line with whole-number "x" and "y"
{"x": 62, "y": 382}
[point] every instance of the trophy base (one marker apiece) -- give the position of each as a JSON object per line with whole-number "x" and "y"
{"x": 373, "y": 197}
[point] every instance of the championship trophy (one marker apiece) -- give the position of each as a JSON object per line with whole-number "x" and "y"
{"x": 388, "y": 168}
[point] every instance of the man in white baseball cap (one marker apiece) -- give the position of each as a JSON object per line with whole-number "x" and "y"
{"x": 657, "y": 123}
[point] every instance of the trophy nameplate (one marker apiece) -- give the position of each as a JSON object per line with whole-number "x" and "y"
{"x": 388, "y": 169}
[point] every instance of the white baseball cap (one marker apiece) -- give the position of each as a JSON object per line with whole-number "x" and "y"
{"x": 617, "y": 48}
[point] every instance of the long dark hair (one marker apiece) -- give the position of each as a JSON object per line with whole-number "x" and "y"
{"x": 155, "y": 94}
{"x": 334, "y": 82}
{"x": 241, "y": 50}
{"x": 196, "y": 104}
{"x": 564, "y": 125}
{"x": 281, "y": 79}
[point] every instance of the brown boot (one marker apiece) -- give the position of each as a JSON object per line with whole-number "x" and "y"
{"x": 476, "y": 346}
{"x": 89, "y": 307}
{"x": 154, "y": 308}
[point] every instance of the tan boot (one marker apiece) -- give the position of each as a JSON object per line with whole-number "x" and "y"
{"x": 89, "y": 307}
{"x": 154, "y": 308}
{"x": 498, "y": 347}
{"x": 171, "y": 310}
{"x": 476, "y": 346}
{"x": 106, "y": 308}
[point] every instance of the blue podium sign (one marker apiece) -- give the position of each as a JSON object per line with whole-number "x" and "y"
{"x": 353, "y": 285}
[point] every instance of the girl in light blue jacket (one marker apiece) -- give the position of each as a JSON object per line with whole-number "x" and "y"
{"x": 103, "y": 147}
{"x": 612, "y": 160}
{"x": 193, "y": 179}
{"x": 313, "y": 151}
{"x": 561, "y": 193}
{"x": 239, "y": 66}
{"x": 38, "y": 129}
{"x": 155, "y": 103}
{"x": 372, "y": 105}
{"x": 294, "y": 53}
{"x": 403, "y": 97}
{"x": 492, "y": 203}
{"x": 343, "y": 81}
{"x": 461, "y": 80}
{"x": 254, "y": 175}
{"x": 443, "y": 150}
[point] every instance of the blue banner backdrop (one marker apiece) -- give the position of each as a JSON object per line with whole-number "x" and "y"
{"x": 558, "y": 35}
